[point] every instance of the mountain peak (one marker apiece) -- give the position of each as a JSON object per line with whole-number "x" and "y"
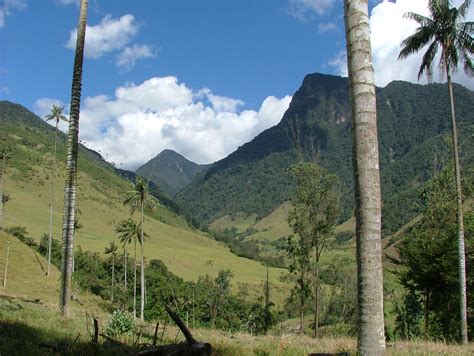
{"x": 170, "y": 171}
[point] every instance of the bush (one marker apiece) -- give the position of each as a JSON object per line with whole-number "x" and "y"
{"x": 21, "y": 234}
{"x": 120, "y": 323}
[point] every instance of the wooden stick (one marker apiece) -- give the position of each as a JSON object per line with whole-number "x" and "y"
{"x": 155, "y": 337}
{"x": 187, "y": 334}
{"x": 96, "y": 331}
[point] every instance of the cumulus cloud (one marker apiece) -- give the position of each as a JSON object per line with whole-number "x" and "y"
{"x": 326, "y": 27}
{"x": 304, "y": 9}
{"x": 9, "y": 6}
{"x": 141, "y": 120}
{"x": 109, "y": 35}
{"x": 388, "y": 29}
{"x": 127, "y": 58}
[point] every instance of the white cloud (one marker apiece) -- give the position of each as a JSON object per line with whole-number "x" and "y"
{"x": 141, "y": 120}
{"x": 328, "y": 26}
{"x": 4, "y": 89}
{"x": 109, "y": 35}
{"x": 7, "y": 8}
{"x": 304, "y": 9}
{"x": 127, "y": 58}
{"x": 69, "y": 2}
{"x": 388, "y": 29}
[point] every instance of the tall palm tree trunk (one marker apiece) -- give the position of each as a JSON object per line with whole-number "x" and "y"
{"x": 2, "y": 182}
{"x": 113, "y": 277}
{"x": 125, "y": 269}
{"x": 5, "y": 274}
{"x": 71, "y": 165}
{"x": 371, "y": 340}
{"x": 135, "y": 280}
{"x": 460, "y": 219}
{"x": 53, "y": 179}
{"x": 142, "y": 276}
{"x": 316, "y": 300}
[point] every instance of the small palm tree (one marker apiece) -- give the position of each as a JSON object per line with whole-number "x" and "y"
{"x": 138, "y": 198}
{"x": 5, "y": 199}
{"x": 4, "y": 156}
{"x": 112, "y": 250}
{"x": 129, "y": 232}
{"x": 57, "y": 115}
{"x": 446, "y": 30}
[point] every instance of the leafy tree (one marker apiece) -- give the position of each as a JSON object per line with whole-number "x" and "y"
{"x": 445, "y": 29}
{"x": 129, "y": 231}
{"x": 112, "y": 250}
{"x": 299, "y": 254}
{"x": 428, "y": 253}
{"x": 57, "y": 115}
{"x": 371, "y": 339}
{"x": 71, "y": 164}
{"x": 313, "y": 216}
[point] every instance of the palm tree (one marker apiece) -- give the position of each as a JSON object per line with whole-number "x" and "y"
{"x": 129, "y": 232}
{"x": 112, "y": 249}
{"x": 56, "y": 114}
{"x": 5, "y": 199}
{"x": 370, "y": 338}
{"x": 71, "y": 165}
{"x": 4, "y": 155}
{"x": 138, "y": 198}
{"x": 445, "y": 29}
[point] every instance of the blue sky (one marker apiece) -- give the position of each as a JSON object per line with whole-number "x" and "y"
{"x": 201, "y": 77}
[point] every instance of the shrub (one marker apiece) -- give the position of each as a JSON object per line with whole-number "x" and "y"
{"x": 120, "y": 323}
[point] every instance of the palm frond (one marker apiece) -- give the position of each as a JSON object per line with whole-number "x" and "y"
{"x": 417, "y": 41}
{"x": 463, "y": 8}
{"x": 427, "y": 61}
{"x": 422, "y": 20}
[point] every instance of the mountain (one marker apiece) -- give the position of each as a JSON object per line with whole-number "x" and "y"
{"x": 186, "y": 252}
{"x": 414, "y": 130}
{"x": 170, "y": 171}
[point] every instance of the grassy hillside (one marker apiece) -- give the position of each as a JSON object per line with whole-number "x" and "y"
{"x": 185, "y": 251}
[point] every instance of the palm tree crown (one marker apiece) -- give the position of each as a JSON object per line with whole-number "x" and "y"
{"x": 446, "y": 29}
{"x": 139, "y": 196}
{"x": 129, "y": 231}
{"x": 57, "y": 114}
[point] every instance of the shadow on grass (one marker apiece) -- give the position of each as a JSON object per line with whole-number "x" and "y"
{"x": 18, "y": 338}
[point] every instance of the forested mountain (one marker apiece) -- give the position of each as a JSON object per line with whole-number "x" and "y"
{"x": 171, "y": 171}
{"x": 414, "y": 129}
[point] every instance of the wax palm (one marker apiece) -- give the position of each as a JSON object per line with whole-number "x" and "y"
{"x": 112, "y": 250}
{"x": 446, "y": 30}
{"x": 129, "y": 231}
{"x": 71, "y": 164}
{"x": 4, "y": 156}
{"x": 138, "y": 198}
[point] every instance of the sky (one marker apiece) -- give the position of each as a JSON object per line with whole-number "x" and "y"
{"x": 199, "y": 77}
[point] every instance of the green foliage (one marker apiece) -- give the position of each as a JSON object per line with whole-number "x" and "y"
{"x": 120, "y": 323}
{"x": 412, "y": 127}
{"x": 21, "y": 234}
{"x": 428, "y": 254}
{"x": 55, "y": 249}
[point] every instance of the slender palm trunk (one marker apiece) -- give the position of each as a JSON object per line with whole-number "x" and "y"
{"x": 371, "y": 340}
{"x": 113, "y": 277}
{"x": 135, "y": 280}
{"x": 5, "y": 274}
{"x": 71, "y": 165}
{"x": 125, "y": 268}
{"x": 2, "y": 182}
{"x": 460, "y": 220}
{"x": 53, "y": 179}
{"x": 142, "y": 276}
{"x": 427, "y": 314}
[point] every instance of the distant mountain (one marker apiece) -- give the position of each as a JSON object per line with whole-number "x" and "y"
{"x": 414, "y": 130}
{"x": 170, "y": 171}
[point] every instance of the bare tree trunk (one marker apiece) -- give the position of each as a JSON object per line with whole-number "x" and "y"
{"x": 53, "y": 179}
{"x": 2, "y": 182}
{"x": 371, "y": 339}
{"x": 71, "y": 165}
{"x": 113, "y": 277}
{"x": 135, "y": 281}
{"x": 125, "y": 268}
{"x": 460, "y": 220}
{"x": 6, "y": 266}
{"x": 316, "y": 301}
{"x": 142, "y": 276}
